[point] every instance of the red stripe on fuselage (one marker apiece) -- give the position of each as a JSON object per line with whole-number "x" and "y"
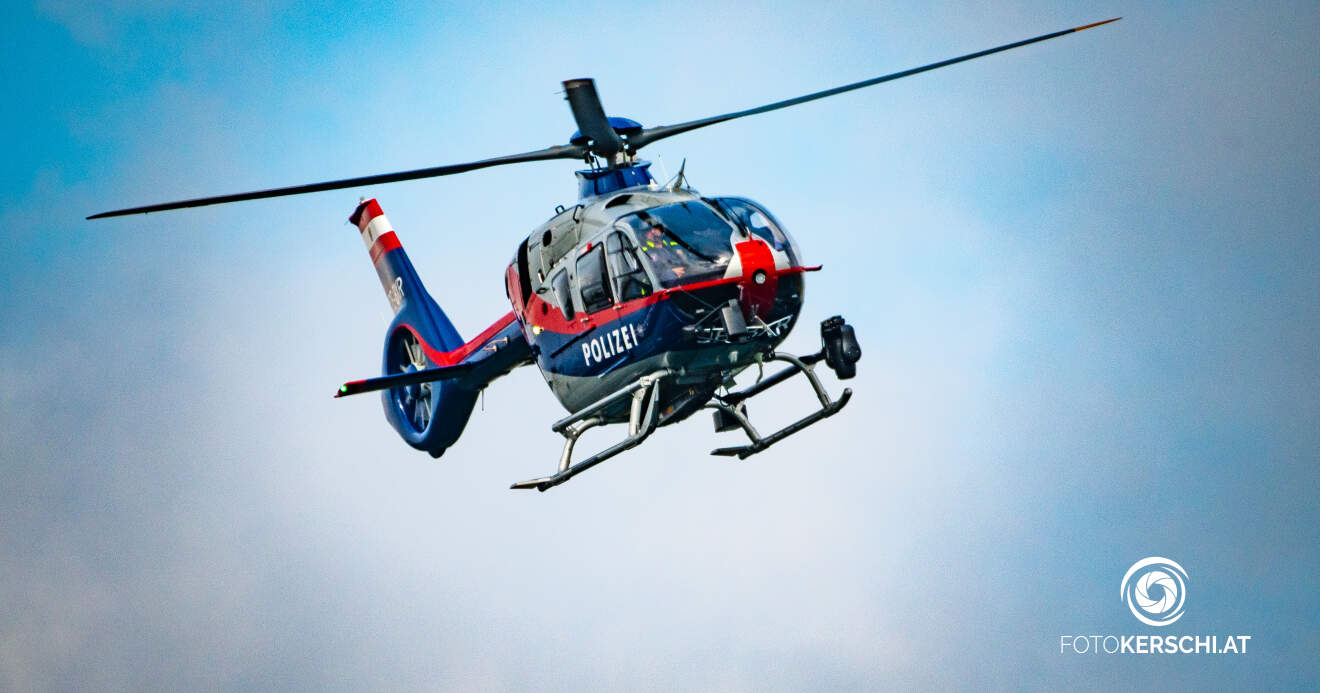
{"x": 451, "y": 358}
{"x": 548, "y": 316}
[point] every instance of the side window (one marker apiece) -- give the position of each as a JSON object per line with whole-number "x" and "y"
{"x": 559, "y": 283}
{"x": 630, "y": 280}
{"x": 524, "y": 274}
{"x": 591, "y": 280}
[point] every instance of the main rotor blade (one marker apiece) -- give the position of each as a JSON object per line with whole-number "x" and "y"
{"x": 555, "y": 152}
{"x": 654, "y": 134}
{"x": 590, "y": 117}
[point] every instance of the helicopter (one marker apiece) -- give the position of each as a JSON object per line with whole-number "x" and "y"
{"x": 639, "y": 304}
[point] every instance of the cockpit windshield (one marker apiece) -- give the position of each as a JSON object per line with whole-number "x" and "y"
{"x": 685, "y": 242}
{"x": 759, "y": 223}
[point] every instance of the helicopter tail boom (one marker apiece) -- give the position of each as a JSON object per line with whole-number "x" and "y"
{"x": 430, "y": 377}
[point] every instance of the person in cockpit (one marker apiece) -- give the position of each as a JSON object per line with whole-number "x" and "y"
{"x": 666, "y": 255}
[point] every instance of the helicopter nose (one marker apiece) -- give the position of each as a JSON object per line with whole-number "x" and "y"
{"x": 759, "y": 278}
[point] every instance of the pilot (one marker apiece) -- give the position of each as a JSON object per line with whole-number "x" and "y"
{"x": 665, "y": 254}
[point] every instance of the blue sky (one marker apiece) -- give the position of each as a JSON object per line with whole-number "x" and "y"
{"x": 1084, "y": 275}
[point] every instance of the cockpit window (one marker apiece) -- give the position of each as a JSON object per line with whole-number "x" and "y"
{"x": 630, "y": 280}
{"x": 685, "y": 242}
{"x": 759, "y": 223}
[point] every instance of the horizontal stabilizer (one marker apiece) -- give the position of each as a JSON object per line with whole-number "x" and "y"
{"x": 386, "y": 382}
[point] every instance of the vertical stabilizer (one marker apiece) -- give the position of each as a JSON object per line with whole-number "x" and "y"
{"x": 407, "y": 296}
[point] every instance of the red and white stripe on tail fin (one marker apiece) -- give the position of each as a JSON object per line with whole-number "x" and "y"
{"x": 376, "y": 230}
{"x": 380, "y": 239}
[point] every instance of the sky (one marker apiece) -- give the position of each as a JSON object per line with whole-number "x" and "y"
{"x": 1084, "y": 275}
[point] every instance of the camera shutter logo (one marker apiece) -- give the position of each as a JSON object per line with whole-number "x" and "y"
{"x": 1155, "y": 589}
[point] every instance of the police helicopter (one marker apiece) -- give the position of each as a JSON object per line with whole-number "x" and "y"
{"x": 639, "y": 303}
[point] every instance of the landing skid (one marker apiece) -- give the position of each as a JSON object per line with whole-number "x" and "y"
{"x": 644, "y": 417}
{"x": 839, "y": 350}
{"x": 730, "y": 405}
{"x": 642, "y": 420}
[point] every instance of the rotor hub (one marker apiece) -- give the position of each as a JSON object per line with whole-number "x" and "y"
{"x": 601, "y": 181}
{"x": 624, "y": 127}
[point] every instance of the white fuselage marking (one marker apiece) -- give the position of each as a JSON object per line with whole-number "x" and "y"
{"x": 610, "y": 344}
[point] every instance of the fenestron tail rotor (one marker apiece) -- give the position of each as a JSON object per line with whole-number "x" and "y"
{"x": 613, "y": 139}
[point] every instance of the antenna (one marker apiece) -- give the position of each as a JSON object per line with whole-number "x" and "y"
{"x": 680, "y": 178}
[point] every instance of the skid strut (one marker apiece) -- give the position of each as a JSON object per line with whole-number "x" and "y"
{"x": 728, "y": 405}
{"x": 642, "y": 418}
